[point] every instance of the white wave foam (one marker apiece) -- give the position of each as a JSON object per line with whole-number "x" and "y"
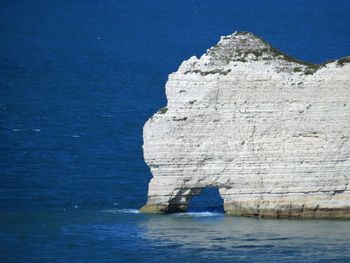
{"x": 200, "y": 214}
{"x": 126, "y": 211}
{"x": 129, "y": 211}
{"x": 187, "y": 214}
{"x": 106, "y": 115}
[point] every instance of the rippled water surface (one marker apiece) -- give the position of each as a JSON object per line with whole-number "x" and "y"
{"x": 124, "y": 235}
{"x": 78, "y": 79}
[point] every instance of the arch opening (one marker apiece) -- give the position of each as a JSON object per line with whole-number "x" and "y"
{"x": 208, "y": 200}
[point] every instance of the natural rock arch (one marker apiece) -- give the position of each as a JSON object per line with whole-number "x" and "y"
{"x": 180, "y": 202}
{"x": 177, "y": 198}
{"x": 208, "y": 200}
{"x": 271, "y": 132}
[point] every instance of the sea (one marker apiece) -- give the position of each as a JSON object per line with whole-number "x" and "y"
{"x": 78, "y": 80}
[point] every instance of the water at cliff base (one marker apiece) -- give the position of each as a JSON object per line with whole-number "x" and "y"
{"x": 126, "y": 236}
{"x": 78, "y": 79}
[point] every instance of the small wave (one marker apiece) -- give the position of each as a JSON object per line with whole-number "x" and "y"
{"x": 126, "y": 211}
{"x": 254, "y": 246}
{"x": 106, "y": 115}
{"x": 129, "y": 211}
{"x": 200, "y": 214}
{"x": 278, "y": 238}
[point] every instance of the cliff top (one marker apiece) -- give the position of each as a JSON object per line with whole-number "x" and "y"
{"x": 247, "y": 47}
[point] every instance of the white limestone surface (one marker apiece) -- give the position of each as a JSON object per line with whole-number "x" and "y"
{"x": 270, "y": 132}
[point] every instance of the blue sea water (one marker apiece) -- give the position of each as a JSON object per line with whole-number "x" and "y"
{"x": 78, "y": 79}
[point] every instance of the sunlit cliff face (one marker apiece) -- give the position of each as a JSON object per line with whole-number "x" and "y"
{"x": 270, "y": 132}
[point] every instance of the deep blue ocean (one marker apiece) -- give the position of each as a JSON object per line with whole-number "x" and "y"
{"x": 78, "y": 79}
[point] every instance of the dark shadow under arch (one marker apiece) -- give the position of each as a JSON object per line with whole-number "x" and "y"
{"x": 208, "y": 200}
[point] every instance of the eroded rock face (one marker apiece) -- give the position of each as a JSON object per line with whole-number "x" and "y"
{"x": 270, "y": 132}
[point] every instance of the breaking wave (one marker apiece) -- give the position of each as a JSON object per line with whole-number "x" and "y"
{"x": 200, "y": 214}
{"x": 125, "y": 211}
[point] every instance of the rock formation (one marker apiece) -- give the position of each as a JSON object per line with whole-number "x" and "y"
{"x": 270, "y": 132}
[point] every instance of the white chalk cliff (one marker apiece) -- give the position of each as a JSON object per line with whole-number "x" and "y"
{"x": 270, "y": 132}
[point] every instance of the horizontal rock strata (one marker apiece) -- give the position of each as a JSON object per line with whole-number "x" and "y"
{"x": 270, "y": 132}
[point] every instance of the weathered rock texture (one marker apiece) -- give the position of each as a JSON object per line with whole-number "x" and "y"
{"x": 270, "y": 132}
